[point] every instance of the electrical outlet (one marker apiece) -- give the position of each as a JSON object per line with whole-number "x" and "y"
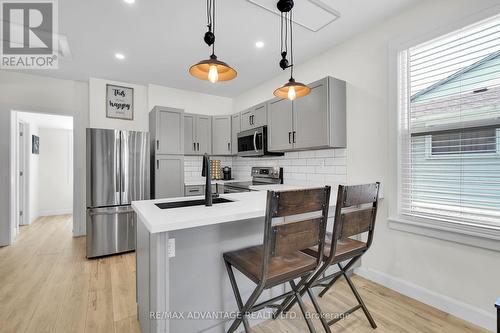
{"x": 171, "y": 247}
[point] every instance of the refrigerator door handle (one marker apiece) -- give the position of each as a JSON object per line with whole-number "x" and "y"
{"x": 124, "y": 168}
{"x": 117, "y": 163}
{"x": 111, "y": 211}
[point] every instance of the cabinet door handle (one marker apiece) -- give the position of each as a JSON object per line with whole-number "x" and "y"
{"x": 290, "y": 137}
{"x": 157, "y": 144}
{"x": 198, "y": 146}
{"x": 194, "y": 145}
{"x": 157, "y": 164}
{"x": 293, "y": 136}
{"x": 229, "y": 146}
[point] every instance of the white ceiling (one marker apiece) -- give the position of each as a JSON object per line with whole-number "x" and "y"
{"x": 47, "y": 120}
{"x": 162, "y": 38}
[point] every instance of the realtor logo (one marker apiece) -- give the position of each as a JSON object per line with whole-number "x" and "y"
{"x": 29, "y": 34}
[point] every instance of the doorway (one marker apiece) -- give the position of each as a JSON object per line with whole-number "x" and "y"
{"x": 43, "y": 158}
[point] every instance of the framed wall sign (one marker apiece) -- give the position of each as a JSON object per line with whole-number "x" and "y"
{"x": 119, "y": 102}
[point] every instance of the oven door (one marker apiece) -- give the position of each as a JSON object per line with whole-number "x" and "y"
{"x": 251, "y": 142}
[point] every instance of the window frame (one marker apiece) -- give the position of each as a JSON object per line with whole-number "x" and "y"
{"x": 486, "y": 237}
{"x": 430, "y": 156}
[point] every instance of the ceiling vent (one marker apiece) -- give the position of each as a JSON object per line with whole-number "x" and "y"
{"x": 313, "y": 15}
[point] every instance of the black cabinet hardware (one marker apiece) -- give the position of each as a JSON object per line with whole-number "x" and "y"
{"x": 290, "y": 137}
{"x": 293, "y": 136}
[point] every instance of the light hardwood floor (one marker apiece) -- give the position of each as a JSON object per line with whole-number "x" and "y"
{"x": 47, "y": 285}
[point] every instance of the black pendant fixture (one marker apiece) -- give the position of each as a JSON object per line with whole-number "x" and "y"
{"x": 212, "y": 69}
{"x": 292, "y": 89}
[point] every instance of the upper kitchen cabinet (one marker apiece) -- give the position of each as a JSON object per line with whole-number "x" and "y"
{"x": 315, "y": 121}
{"x": 221, "y": 137}
{"x": 197, "y": 134}
{"x": 235, "y": 129}
{"x": 280, "y": 125}
{"x": 166, "y": 130}
{"x": 254, "y": 117}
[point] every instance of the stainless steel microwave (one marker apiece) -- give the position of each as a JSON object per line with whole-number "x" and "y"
{"x": 253, "y": 143}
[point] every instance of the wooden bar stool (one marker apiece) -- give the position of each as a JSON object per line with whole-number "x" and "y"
{"x": 295, "y": 221}
{"x": 355, "y": 214}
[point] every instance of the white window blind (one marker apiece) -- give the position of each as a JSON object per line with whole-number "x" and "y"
{"x": 449, "y": 102}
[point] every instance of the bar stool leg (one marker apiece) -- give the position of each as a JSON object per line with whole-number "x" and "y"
{"x": 324, "y": 323}
{"x": 302, "y": 306}
{"x": 289, "y": 299}
{"x": 239, "y": 302}
{"x": 360, "y": 301}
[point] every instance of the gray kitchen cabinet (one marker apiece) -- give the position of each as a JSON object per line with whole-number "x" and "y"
{"x": 221, "y": 138}
{"x": 190, "y": 134}
{"x": 192, "y": 190}
{"x": 280, "y": 125}
{"x": 235, "y": 129}
{"x": 169, "y": 176}
{"x": 197, "y": 134}
{"x": 254, "y": 117}
{"x": 315, "y": 121}
{"x": 310, "y": 118}
{"x": 166, "y": 130}
{"x": 204, "y": 134}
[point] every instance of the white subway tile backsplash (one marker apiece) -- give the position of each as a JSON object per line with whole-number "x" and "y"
{"x": 312, "y": 167}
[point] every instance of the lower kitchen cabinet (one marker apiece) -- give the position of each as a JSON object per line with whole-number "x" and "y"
{"x": 221, "y": 135}
{"x": 168, "y": 176}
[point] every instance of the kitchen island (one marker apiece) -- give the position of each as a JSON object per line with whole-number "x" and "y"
{"x": 182, "y": 283}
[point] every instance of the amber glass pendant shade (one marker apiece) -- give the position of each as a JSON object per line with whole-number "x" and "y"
{"x": 213, "y": 70}
{"x": 292, "y": 90}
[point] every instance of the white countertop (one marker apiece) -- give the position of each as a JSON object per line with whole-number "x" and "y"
{"x": 245, "y": 206}
{"x": 201, "y": 181}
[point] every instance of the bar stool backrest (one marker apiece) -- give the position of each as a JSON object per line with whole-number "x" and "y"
{"x": 295, "y": 220}
{"x": 355, "y": 212}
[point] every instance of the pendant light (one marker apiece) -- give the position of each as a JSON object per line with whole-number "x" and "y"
{"x": 292, "y": 89}
{"x": 212, "y": 69}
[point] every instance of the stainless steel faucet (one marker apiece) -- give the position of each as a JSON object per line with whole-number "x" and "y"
{"x": 206, "y": 171}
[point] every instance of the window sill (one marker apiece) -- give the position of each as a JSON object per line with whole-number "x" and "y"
{"x": 468, "y": 234}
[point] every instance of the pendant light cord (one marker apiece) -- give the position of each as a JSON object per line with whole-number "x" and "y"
{"x": 211, "y": 20}
{"x": 291, "y": 45}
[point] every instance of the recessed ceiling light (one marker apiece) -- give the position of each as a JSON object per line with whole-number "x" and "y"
{"x": 129, "y": 1}
{"x": 120, "y": 56}
{"x": 259, "y": 44}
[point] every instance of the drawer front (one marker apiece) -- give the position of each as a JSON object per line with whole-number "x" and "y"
{"x": 192, "y": 190}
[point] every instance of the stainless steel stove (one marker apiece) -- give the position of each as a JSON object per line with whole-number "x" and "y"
{"x": 260, "y": 176}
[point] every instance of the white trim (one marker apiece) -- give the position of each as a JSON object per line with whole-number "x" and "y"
{"x": 53, "y": 212}
{"x": 468, "y": 234}
{"x": 442, "y": 302}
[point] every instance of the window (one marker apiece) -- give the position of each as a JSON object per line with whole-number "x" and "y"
{"x": 462, "y": 143}
{"x": 449, "y": 102}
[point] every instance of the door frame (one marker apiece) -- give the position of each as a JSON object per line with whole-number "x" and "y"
{"x": 80, "y": 122}
{"x": 22, "y": 164}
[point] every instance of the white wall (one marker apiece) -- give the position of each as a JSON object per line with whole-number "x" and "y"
{"x": 460, "y": 277}
{"x": 31, "y": 93}
{"x": 97, "y": 107}
{"x": 55, "y": 176}
{"x": 191, "y": 102}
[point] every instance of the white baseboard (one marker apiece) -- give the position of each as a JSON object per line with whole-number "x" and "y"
{"x": 444, "y": 303}
{"x": 55, "y": 212}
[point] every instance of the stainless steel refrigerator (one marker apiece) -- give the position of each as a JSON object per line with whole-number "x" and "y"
{"x": 117, "y": 174}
